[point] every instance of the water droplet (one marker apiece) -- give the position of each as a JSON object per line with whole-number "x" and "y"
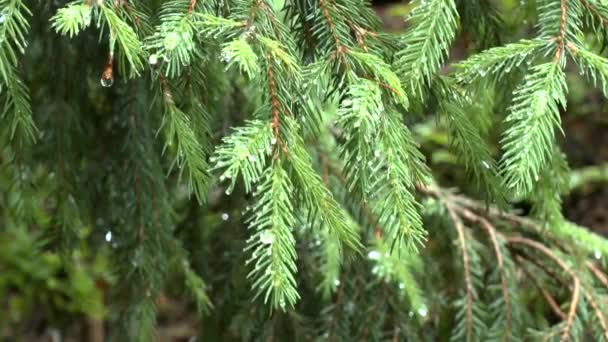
{"x": 153, "y": 59}
{"x": 401, "y": 286}
{"x": 373, "y": 255}
{"x": 422, "y": 311}
{"x": 597, "y": 255}
{"x": 267, "y": 237}
{"x": 109, "y": 236}
{"x": 107, "y": 82}
{"x": 171, "y": 41}
{"x": 282, "y": 303}
{"x": 225, "y": 216}
{"x": 337, "y": 282}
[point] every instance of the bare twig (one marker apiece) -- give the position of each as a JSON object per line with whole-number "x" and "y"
{"x": 489, "y": 228}
{"x": 467, "y": 272}
{"x": 598, "y": 273}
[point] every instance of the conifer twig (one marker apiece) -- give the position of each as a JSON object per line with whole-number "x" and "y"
{"x": 561, "y": 38}
{"x": 274, "y": 106}
{"x": 595, "y": 12}
{"x": 598, "y": 273}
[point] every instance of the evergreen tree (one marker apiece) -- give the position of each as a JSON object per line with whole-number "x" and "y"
{"x": 269, "y": 161}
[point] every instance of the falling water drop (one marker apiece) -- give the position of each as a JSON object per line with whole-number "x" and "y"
{"x": 153, "y": 59}
{"x": 107, "y": 82}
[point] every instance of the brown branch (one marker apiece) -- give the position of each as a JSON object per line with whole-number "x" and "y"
{"x": 332, "y": 27}
{"x": 360, "y": 33}
{"x": 576, "y": 282}
{"x": 489, "y": 228}
{"x": 561, "y": 38}
{"x": 598, "y": 273}
{"x": 467, "y": 272}
{"x": 552, "y": 303}
{"x": 275, "y": 107}
{"x": 192, "y": 6}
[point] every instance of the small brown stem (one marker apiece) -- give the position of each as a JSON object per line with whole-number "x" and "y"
{"x": 275, "y": 107}
{"x": 598, "y": 273}
{"x": 561, "y": 38}
{"x": 467, "y": 272}
{"x": 192, "y": 6}
{"x": 340, "y": 48}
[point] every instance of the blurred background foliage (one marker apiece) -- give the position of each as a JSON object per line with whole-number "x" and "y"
{"x": 46, "y": 294}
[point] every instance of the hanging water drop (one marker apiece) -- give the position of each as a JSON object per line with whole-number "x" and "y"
{"x": 267, "y": 237}
{"x": 225, "y": 216}
{"x": 107, "y": 76}
{"x": 153, "y": 59}
{"x": 597, "y": 255}
{"x": 106, "y": 82}
{"x": 109, "y": 236}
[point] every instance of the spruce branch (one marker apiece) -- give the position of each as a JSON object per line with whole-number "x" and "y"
{"x": 594, "y": 66}
{"x": 244, "y": 153}
{"x": 316, "y": 197}
{"x": 131, "y": 47}
{"x": 273, "y": 244}
{"x": 72, "y": 19}
{"x": 426, "y": 43}
{"x": 498, "y": 61}
{"x": 534, "y": 115}
{"x": 189, "y": 153}
{"x": 14, "y": 93}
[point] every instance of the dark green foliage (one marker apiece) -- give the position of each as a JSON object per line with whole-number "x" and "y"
{"x": 261, "y": 161}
